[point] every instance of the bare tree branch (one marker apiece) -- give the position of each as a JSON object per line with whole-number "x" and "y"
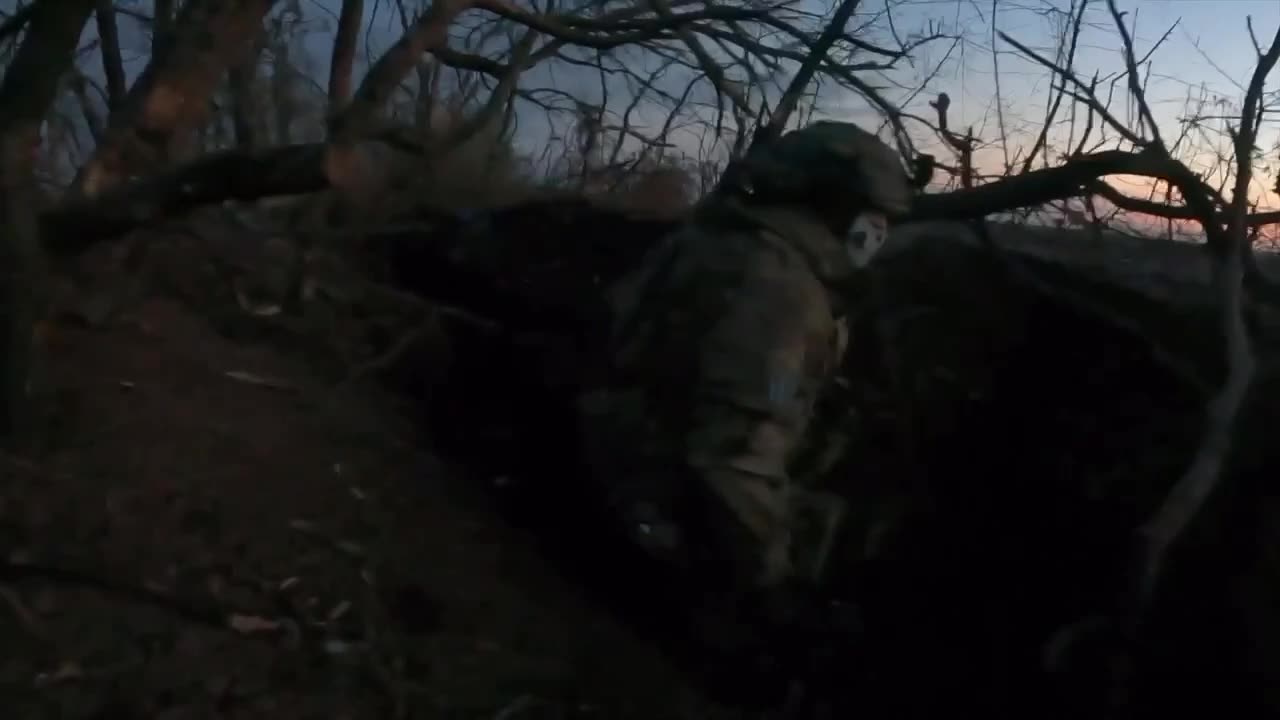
{"x": 431, "y": 31}
{"x": 79, "y": 84}
{"x": 1135, "y": 87}
{"x": 1188, "y": 496}
{"x": 817, "y": 54}
{"x": 498, "y": 99}
{"x": 1043, "y": 137}
{"x": 230, "y": 175}
{"x": 162, "y": 25}
{"x": 171, "y": 94}
{"x": 14, "y": 24}
{"x": 112, "y": 64}
{"x": 28, "y": 89}
{"x": 344, "y": 53}
{"x": 715, "y": 73}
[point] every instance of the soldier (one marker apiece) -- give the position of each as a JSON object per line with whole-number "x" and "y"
{"x": 721, "y": 343}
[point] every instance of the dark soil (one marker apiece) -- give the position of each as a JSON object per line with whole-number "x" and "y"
{"x": 275, "y": 497}
{"x": 1004, "y": 440}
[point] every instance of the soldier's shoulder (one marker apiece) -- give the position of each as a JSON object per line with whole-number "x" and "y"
{"x": 708, "y": 237}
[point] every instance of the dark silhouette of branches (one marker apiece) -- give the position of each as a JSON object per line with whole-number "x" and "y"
{"x": 28, "y": 89}
{"x": 14, "y": 24}
{"x": 648, "y": 81}
{"x": 112, "y": 64}
{"x": 1226, "y": 225}
{"x": 1189, "y": 495}
{"x": 344, "y": 52}
{"x": 817, "y": 54}
{"x": 170, "y": 96}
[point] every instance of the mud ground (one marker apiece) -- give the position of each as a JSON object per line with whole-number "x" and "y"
{"x": 271, "y": 547}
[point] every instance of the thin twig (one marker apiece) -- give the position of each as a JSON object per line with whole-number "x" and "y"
{"x": 817, "y": 54}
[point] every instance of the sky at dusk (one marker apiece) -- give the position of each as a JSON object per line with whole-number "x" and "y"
{"x": 1208, "y": 53}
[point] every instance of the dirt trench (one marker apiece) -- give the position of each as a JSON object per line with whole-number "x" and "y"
{"x": 369, "y": 581}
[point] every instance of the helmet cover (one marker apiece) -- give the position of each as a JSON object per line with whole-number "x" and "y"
{"x": 831, "y": 154}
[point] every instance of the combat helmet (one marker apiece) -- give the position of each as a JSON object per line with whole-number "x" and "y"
{"x": 827, "y": 161}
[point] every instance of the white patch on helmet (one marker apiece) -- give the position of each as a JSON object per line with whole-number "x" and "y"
{"x": 865, "y": 238}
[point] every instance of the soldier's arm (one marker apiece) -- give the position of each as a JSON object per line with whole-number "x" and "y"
{"x": 759, "y": 366}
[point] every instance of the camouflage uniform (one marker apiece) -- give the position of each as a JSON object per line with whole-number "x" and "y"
{"x": 723, "y": 340}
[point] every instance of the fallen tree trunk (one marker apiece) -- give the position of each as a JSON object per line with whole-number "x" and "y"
{"x": 248, "y": 175}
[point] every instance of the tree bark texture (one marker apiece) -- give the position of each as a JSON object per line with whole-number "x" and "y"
{"x": 28, "y": 89}
{"x": 344, "y": 53}
{"x": 171, "y": 95}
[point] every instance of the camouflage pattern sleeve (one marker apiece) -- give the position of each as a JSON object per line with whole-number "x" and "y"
{"x": 729, "y": 343}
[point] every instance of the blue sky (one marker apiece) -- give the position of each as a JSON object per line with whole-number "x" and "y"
{"x": 1208, "y": 55}
{"x": 1208, "y": 52}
